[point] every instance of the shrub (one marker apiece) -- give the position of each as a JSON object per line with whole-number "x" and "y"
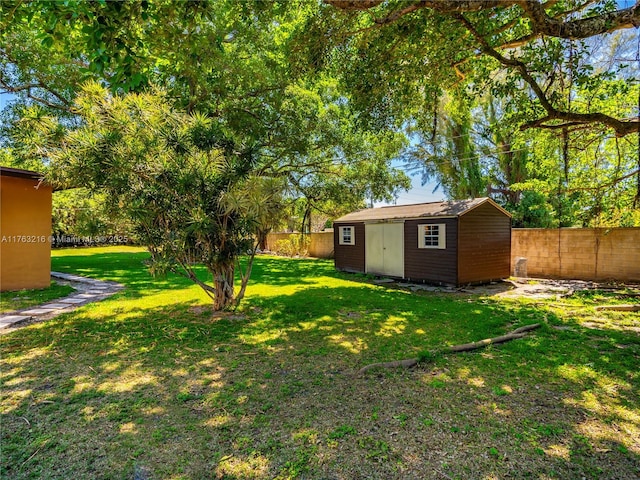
{"x": 294, "y": 246}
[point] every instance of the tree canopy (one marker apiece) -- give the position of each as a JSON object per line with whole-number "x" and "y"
{"x": 518, "y": 99}
{"x": 451, "y": 42}
{"x": 192, "y": 119}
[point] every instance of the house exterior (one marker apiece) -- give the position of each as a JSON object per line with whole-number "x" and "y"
{"x": 451, "y": 243}
{"x": 25, "y": 230}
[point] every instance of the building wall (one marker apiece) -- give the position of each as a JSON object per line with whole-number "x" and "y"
{"x": 484, "y": 244}
{"x": 25, "y": 228}
{"x": 350, "y": 258}
{"x": 431, "y": 265}
{"x": 579, "y": 253}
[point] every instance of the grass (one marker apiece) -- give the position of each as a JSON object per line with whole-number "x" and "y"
{"x": 21, "y": 299}
{"x": 150, "y": 384}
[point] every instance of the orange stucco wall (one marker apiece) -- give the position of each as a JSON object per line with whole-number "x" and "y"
{"x": 25, "y": 228}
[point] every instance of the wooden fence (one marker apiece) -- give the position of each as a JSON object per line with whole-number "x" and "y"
{"x": 572, "y": 253}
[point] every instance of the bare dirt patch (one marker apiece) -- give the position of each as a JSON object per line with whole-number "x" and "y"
{"x": 535, "y": 288}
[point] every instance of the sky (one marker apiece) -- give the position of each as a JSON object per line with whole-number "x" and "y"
{"x": 4, "y": 98}
{"x": 417, "y": 194}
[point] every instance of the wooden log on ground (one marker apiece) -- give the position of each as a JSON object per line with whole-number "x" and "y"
{"x": 465, "y": 347}
{"x": 619, "y": 308}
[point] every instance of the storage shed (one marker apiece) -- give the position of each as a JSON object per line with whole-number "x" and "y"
{"x": 450, "y": 243}
{"x": 25, "y": 230}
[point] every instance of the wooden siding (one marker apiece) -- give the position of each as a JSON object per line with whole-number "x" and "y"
{"x": 427, "y": 264}
{"x": 349, "y": 258}
{"x": 484, "y": 245}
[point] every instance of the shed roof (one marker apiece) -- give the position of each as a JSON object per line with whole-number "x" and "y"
{"x": 19, "y": 173}
{"x": 454, "y": 208}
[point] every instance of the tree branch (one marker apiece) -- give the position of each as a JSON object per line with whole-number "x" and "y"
{"x": 65, "y": 104}
{"x": 541, "y": 23}
{"x": 621, "y": 128}
{"x": 467, "y": 347}
{"x": 582, "y": 27}
{"x": 612, "y": 183}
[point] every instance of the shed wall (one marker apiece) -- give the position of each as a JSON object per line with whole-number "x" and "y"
{"x": 25, "y": 226}
{"x": 426, "y": 264}
{"x": 350, "y": 258}
{"x": 484, "y": 245}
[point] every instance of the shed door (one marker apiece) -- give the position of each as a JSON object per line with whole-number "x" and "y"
{"x": 384, "y": 249}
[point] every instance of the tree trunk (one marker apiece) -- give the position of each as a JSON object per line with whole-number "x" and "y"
{"x": 223, "y": 283}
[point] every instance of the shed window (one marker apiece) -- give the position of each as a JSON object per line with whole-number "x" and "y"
{"x": 432, "y": 236}
{"x": 347, "y": 235}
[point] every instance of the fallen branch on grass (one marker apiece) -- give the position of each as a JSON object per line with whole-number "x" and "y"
{"x": 619, "y": 308}
{"x": 466, "y": 347}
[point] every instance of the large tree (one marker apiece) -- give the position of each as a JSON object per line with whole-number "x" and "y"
{"x": 485, "y": 86}
{"x": 192, "y": 195}
{"x": 468, "y": 39}
{"x": 224, "y": 61}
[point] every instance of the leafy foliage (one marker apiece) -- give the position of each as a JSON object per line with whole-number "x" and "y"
{"x": 187, "y": 190}
{"x": 295, "y": 245}
{"x": 512, "y": 100}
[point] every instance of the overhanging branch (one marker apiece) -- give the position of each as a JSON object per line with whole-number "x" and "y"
{"x": 541, "y": 23}
{"x": 620, "y": 127}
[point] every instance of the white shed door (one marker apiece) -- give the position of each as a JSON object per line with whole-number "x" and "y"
{"x": 384, "y": 249}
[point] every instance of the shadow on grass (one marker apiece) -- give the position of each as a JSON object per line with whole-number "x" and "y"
{"x": 131, "y": 270}
{"x": 268, "y": 392}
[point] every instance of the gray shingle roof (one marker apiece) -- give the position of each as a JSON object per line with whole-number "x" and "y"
{"x": 453, "y": 208}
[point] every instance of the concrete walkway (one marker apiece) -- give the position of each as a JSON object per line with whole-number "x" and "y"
{"x": 87, "y": 290}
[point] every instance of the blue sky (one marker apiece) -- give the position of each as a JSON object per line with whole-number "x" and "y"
{"x": 4, "y": 97}
{"x": 417, "y": 194}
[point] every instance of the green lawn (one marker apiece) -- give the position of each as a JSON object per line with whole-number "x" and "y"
{"x": 150, "y": 384}
{"x": 10, "y": 301}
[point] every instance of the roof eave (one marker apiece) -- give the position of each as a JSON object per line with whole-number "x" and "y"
{"x": 486, "y": 200}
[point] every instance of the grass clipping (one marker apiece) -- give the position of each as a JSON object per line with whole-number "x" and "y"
{"x": 466, "y": 347}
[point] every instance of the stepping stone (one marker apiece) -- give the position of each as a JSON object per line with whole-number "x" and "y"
{"x": 426, "y": 288}
{"x": 65, "y": 276}
{"x": 74, "y": 278}
{"x": 73, "y": 300}
{"x": 38, "y": 311}
{"x": 56, "y": 305}
{"x": 383, "y": 280}
{"x": 8, "y": 320}
{"x": 85, "y": 295}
